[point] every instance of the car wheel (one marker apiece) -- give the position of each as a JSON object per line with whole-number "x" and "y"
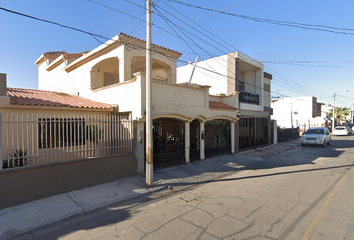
{"x": 329, "y": 143}
{"x": 324, "y": 144}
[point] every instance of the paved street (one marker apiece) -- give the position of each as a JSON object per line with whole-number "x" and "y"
{"x": 305, "y": 193}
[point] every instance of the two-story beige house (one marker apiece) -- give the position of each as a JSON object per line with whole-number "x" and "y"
{"x": 188, "y": 122}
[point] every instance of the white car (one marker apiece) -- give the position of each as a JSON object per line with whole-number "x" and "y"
{"x": 341, "y": 131}
{"x": 316, "y": 136}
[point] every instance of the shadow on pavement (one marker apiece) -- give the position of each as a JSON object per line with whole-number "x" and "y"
{"x": 187, "y": 177}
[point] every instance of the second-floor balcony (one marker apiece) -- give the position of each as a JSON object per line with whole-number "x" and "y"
{"x": 247, "y": 97}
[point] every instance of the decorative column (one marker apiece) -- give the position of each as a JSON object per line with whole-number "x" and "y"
{"x": 187, "y": 137}
{"x": 232, "y": 130}
{"x": 202, "y": 139}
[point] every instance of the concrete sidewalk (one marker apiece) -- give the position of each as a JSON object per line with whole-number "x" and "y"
{"x": 17, "y": 220}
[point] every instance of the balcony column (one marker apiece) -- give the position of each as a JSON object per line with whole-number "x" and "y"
{"x": 169, "y": 74}
{"x": 232, "y": 130}
{"x": 202, "y": 139}
{"x": 187, "y": 137}
{"x": 125, "y": 69}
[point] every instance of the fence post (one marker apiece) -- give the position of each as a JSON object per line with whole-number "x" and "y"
{"x": 0, "y": 141}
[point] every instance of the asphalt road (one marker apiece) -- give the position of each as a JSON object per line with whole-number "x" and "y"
{"x": 306, "y": 193}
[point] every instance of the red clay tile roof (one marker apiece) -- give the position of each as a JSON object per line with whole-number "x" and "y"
{"x": 220, "y": 105}
{"x": 59, "y": 53}
{"x": 56, "y": 53}
{"x": 54, "y": 99}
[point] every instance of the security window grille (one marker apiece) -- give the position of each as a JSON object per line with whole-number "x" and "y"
{"x": 55, "y": 132}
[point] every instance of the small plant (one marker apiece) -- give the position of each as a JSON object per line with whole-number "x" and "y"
{"x": 91, "y": 133}
{"x": 18, "y": 158}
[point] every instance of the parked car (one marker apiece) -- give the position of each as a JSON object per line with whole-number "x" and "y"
{"x": 316, "y": 136}
{"x": 351, "y": 126}
{"x": 341, "y": 131}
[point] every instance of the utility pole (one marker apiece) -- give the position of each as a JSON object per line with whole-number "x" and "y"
{"x": 291, "y": 112}
{"x": 149, "y": 150}
{"x": 334, "y": 107}
{"x": 195, "y": 64}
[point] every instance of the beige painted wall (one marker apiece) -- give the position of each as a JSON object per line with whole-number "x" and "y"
{"x": 267, "y": 95}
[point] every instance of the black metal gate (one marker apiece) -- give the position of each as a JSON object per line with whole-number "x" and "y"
{"x": 262, "y": 135}
{"x": 194, "y": 140}
{"x": 253, "y": 132}
{"x": 246, "y": 131}
{"x": 168, "y": 142}
{"x": 217, "y": 138}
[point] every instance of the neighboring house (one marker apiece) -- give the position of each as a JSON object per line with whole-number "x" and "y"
{"x": 188, "y": 122}
{"x": 302, "y": 112}
{"x": 236, "y": 72}
{"x": 52, "y": 142}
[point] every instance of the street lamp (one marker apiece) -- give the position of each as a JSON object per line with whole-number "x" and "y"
{"x": 334, "y": 106}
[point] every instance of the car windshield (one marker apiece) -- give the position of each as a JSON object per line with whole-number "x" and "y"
{"x": 340, "y": 128}
{"x": 315, "y": 131}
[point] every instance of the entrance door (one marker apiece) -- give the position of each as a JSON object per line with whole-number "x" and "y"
{"x": 168, "y": 142}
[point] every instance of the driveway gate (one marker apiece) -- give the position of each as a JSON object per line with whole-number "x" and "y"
{"x": 217, "y": 138}
{"x": 168, "y": 140}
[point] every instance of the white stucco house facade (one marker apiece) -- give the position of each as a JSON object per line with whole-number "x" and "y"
{"x": 189, "y": 123}
{"x": 302, "y": 112}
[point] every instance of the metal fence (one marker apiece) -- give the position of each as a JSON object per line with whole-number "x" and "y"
{"x": 34, "y": 139}
{"x": 287, "y": 134}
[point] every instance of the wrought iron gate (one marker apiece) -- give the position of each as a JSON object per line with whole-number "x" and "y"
{"x": 262, "y": 134}
{"x": 194, "y": 140}
{"x": 246, "y": 131}
{"x": 217, "y": 138}
{"x": 168, "y": 142}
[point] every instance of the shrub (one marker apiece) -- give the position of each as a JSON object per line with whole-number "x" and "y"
{"x": 18, "y": 158}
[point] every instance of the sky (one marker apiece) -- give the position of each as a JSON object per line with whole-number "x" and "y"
{"x": 314, "y": 58}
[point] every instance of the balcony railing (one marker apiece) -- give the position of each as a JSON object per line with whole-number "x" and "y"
{"x": 247, "y": 97}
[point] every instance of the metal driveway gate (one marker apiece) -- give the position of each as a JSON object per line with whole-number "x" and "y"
{"x": 246, "y": 131}
{"x": 217, "y": 138}
{"x": 194, "y": 140}
{"x": 262, "y": 135}
{"x": 253, "y": 132}
{"x": 168, "y": 142}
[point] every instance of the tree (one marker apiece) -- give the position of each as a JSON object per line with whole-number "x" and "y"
{"x": 341, "y": 113}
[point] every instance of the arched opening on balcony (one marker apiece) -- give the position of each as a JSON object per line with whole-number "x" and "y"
{"x": 160, "y": 70}
{"x": 105, "y": 73}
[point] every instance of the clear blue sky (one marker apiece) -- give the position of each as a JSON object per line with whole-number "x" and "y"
{"x": 303, "y": 62}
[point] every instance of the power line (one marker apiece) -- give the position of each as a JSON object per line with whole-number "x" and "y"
{"x": 324, "y": 28}
{"x": 82, "y": 31}
{"x": 299, "y": 88}
{"x": 94, "y": 35}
